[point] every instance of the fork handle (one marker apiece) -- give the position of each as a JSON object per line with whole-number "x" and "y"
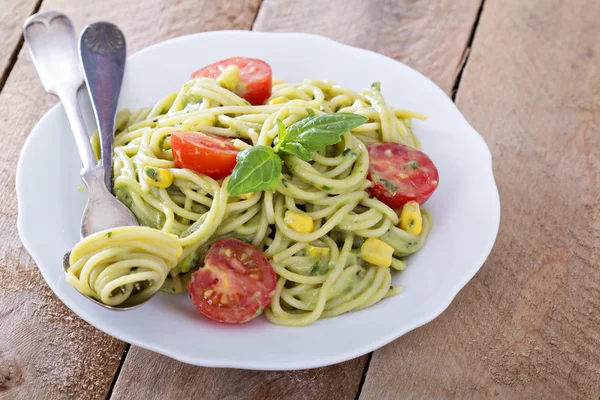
{"x": 82, "y": 140}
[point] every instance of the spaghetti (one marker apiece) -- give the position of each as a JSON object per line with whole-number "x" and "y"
{"x": 320, "y": 273}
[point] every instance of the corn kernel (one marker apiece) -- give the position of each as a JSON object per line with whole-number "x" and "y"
{"x": 411, "y": 219}
{"x": 246, "y": 196}
{"x": 279, "y": 100}
{"x": 230, "y": 77}
{"x": 318, "y": 252}
{"x": 377, "y": 252}
{"x": 159, "y": 177}
{"x": 298, "y": 222}
{"x": 240, "y": 144}
{"x": 95, "y": 141}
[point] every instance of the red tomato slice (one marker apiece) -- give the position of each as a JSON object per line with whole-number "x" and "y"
{"x": 400, "y": 174}
{"x": 256, "y": 77}
{"x": 209, "y": 155}
{"x": 235, "y": 284}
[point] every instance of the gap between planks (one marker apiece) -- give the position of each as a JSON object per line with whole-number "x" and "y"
{"x": 256, "y": 17}
{"x": 15, "y": 53}
{"x": 466, "y": 53}
{"x": 455, "y": 87}
{"x": 118, "y": 371}
{"x": 364, "y": 376}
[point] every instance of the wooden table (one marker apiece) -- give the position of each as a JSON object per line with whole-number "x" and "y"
{"x": 525, "y": 73}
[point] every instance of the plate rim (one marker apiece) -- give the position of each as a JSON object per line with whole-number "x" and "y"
{"x": 448, "y": 297}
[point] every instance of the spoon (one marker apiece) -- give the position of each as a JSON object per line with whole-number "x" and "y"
{"x": 102, "y": 51}
{"x": 52, "y": 44}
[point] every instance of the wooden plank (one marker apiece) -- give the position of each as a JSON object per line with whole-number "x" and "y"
{"x": 12, "y": 15}
{"x": 45, "y": 350}
{"x": 394, "y": 28}
{"x": 527, "y": 326}
{"x": 429, "y": 35}
{"x": 149, "y": 375}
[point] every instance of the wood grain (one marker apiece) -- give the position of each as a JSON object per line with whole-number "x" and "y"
{"x": 12, "y": 15}
{"x": 45, "y": 350}
{"x": 394, "y": 28}
{"x": 528, "y": 325}
{"x": 149, "y": 375}
{"x": 429, "y": 35}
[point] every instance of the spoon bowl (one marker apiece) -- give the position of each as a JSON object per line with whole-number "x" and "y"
{"x": 126, "y": 305}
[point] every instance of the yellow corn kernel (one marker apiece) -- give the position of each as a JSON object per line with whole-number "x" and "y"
{"x": 377, "y": 252}
{"x": 240, "y": 144}
{"x": 279, "y": 100}
{"x": 299, "y": 222}
{"x": 246, "y": 196}
{"x": 230, "y": 77}
{"x": 95, "y": 141}
{"x": 318, "y": 252}
{"x": 159, "y": 177}
{"x": 411, "y": 219}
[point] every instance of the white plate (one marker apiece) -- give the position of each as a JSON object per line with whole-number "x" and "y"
{"x": 466, "y": 209}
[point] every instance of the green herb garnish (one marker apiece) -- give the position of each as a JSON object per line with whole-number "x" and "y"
{"x": 108, "y": 235}
{"x": 411, "y": 164}
{"x": 314, "y": 133}
{"x": 315, "y": 269}
{"x": 259, "y": 167}
{"x": 152, "y": 174}
{"x": 349, "y": 152}
{"x": 389, "y": 186}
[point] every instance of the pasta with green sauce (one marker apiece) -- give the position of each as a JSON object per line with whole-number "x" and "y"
{"x": 321, "y": 271}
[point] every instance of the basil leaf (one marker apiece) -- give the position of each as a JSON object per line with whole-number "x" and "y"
{"x": 282, "y": 134}
{"x": 315, "y": 132}
{"x": 258, "y": 168}
{"x": 296, "y": 149}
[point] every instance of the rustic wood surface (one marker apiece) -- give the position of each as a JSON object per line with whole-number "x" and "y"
{"x": 430, "y": 36}
{"x": 527, "y": 326}
{"x": 12, "y": 15}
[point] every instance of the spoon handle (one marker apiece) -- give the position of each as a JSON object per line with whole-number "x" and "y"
{"x": 103, "y": 52}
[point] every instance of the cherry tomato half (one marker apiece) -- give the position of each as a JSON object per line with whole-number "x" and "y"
{"x": 256, "y": 77}
{"x": 400, "y": 174}
{"x": 206, "y": 154}
{"x": 235, "y": 283}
